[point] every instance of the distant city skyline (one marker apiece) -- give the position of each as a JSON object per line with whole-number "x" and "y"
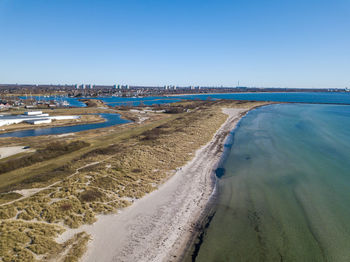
{"x": 89, "y": 85}
{"x": 287, "y": 44}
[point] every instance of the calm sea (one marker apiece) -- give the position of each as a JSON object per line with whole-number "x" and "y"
{"x": 285, "y": 195}
{"x": 300, "y": 97}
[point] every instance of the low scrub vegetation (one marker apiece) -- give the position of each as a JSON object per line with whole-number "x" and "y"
{"x": 101, "y": 151}
{"x": 90, "y": 195}
{"x": 52, "y": 150}
{"x": 102, "y": 181}
{"x": 26, "y": 240}
{"x": 4, "y": 197}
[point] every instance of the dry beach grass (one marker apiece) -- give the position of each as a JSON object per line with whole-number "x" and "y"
{"x": 120, "y": 165}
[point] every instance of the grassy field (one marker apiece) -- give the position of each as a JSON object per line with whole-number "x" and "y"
{"x": 115, "y": 166}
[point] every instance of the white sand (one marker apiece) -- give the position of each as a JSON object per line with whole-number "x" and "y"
{"x": 12, "y": 150}
{"x": 156, "y": 227}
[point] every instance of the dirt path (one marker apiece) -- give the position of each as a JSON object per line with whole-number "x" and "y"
{"x": 32, "y": 191}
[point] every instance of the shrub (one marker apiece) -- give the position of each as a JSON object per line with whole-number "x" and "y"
{"x": 152, "y": 134}
{"x": 175, "y": 110}
{"x": 66, "y": 207}
{"x": 101, "y": 151}
{"x": 90, "y": 195}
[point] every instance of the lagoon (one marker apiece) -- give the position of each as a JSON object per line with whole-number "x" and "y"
{"x": 111, "y": 120}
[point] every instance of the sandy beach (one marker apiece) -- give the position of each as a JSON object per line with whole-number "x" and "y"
{"x": 156, "y": 227}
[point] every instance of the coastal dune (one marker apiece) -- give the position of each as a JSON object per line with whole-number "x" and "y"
{"x": 159, "y": 225}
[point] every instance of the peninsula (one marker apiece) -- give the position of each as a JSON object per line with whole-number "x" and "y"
{"x": 136, "y": 189}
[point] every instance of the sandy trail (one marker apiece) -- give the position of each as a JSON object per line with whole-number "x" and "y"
{"x": 156, "y": 227}
{"x": 26, "y": 193}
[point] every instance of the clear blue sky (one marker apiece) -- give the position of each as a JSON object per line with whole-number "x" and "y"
{"x": 288, "y": 43}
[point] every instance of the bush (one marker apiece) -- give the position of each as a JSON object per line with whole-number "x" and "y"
{"x": 90, "y": 195}
{"x": 174, "y": 110}
{"x": 66, "y": 207}
{"x": 101, "y": 151}
{"x": 152, "y": 134}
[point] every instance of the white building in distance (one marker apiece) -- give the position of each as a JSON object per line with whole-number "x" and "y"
{"x": 32, "y": 117}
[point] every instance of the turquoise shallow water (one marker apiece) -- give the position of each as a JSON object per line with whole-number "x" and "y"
{"x": 285, "y": 195}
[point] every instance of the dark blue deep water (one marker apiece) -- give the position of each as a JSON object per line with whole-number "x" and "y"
{"x": 301, "y": 97}
{"x": 111, "y": 120}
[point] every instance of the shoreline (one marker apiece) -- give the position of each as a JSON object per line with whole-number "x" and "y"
{"x": 191, "y": 247}
{"x": 159, "y": 226}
